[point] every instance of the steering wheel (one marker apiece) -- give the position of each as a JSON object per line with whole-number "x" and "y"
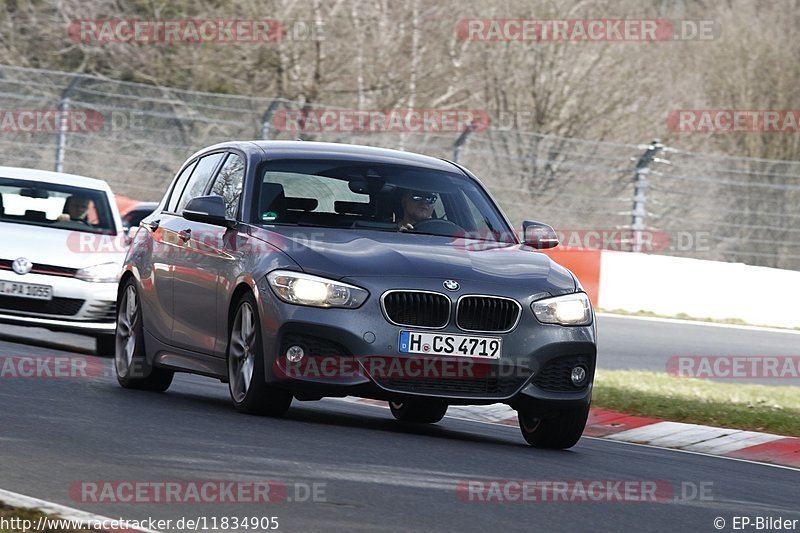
{"x": 437, "y": 226}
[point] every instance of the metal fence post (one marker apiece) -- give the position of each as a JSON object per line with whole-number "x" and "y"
{"x": 639, "y": 211}
{"x": 266, "y": 119}
{"x": 462, "y": 139}
{"x": 63, "y": 122}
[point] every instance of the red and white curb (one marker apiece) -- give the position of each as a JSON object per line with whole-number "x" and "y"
{"x": 75, "y": 516}
{"x": 735, "y": 443}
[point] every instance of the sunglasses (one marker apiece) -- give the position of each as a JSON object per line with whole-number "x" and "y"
{"x": 427, "y": 198}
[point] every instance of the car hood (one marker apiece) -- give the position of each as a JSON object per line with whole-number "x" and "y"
{"x": 350, "y": 253}
{"x": 58, "y": 247}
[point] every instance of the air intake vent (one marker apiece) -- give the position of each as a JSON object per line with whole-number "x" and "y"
{"x": 487, "y": 313}
{"x": 555, "y": 375}
{"x": 56, "y": 306}
{"x": 417, "y": 308}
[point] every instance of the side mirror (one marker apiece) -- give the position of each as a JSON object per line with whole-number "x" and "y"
{"x": 129, "y": 234}
{"x": 538, "y": 235}
{"x": 207, "y": 209}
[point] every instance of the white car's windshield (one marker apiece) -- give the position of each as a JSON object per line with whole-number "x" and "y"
{"x": 55, "y": 206}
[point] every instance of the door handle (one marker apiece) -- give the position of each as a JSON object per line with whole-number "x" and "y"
{"x": 185, "y": 235}
{"x": 154, "y": 225}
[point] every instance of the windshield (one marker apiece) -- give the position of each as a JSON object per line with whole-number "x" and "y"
{"x": 381, "y": 197}
{"x": 66, "y": 207}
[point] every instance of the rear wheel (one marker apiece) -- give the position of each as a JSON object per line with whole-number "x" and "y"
{"x": 249, "y": 391}
{"x": 560, "y": 432}
{"x": 421, "y": 411}
{"x": 130, "y": 361}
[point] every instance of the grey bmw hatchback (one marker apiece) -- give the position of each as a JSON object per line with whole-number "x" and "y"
{"x": 302, "y": 270}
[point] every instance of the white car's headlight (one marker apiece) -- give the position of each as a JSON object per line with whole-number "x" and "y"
{"x": 305, "y": 289}
{"x": 570, "y": 310}
{"x": 104, "y": 273}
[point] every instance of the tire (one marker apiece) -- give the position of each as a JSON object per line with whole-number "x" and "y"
{"x": 420, "y": 411}
{"x": 130, "y": 361}
{"x": 105, "y": 345}
{"x": 560, "y": 432}
{"x": 245, "y": 360}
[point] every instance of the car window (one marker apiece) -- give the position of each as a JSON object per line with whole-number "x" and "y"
{"x": 481, "y": 223}
{"x": 180, "y": 184}
{"x": 228, "y": 183}
{"x": 375, "y": 196}
{"x": 199, "y": 180}
{"x": 325, "y": 192}
{"x": 36, "y": 203}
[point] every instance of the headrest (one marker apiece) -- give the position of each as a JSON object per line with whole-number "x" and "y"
{"x": 301, "y": 204}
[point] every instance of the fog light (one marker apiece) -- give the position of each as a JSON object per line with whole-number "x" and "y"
{"x": 578, "y": 376}
{"x": 295, "y": 354}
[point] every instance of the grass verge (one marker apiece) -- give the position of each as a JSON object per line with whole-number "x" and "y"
{"x": 730, "y": 405}
{"x": 12, "y": 520}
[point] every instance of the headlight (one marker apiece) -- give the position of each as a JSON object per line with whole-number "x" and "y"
{"x": 570, "y": 310}
{"x": 305, "y": 289}
{"x": 105, "y": 273}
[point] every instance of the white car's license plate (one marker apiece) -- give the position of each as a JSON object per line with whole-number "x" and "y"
{"x": 26, "y": 290}
{"x": 446, "y": 344}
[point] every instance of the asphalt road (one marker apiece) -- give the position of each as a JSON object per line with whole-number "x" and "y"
{"x": 647, "y": 344}
{"x": 623, "y": 343}
{"x": 378, "y": 474}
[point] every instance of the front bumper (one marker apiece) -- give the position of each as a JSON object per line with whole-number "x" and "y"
{"x": 528, "y": 373}
{"x": 77, "y": 305}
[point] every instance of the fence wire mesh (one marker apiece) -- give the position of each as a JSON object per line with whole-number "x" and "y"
{"x": 746, "y": 208}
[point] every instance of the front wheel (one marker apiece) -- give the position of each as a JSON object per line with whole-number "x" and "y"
{"x": 420, "y": 411}
{"x": 560, "y": 432}
{"x": 130, "y": 361}
{"x": 249, "y": 391}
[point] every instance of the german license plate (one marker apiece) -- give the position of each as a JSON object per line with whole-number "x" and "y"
{"x": 446, "y": 344}
{"x": 26, "y": 290}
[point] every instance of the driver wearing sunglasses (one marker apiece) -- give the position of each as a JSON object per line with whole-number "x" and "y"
{"x": 417, "y": 206}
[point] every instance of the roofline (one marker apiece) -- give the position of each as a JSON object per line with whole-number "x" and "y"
{"x": 268, "y": 147}
{"x": 86, "y": 181}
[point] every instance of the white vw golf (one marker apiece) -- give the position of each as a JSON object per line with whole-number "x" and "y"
{"x": 62, "y": 249}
